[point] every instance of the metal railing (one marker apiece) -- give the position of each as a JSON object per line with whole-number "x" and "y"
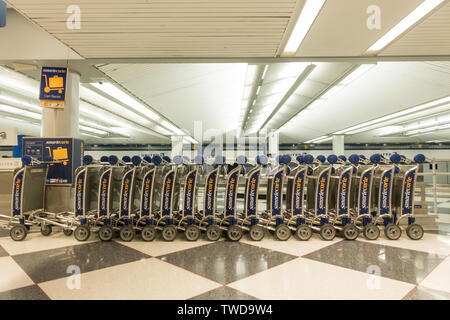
{"x": 435, "y": 187}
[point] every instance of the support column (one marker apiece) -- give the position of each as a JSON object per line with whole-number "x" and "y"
{"x": 64, "y": 122}
{"x": 338, "y": 144}
{"x": 274, "y": 143}
{"x": 177, "y": 146}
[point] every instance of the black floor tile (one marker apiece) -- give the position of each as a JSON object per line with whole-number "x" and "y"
{"x": 3, "y": 253}
{"x": 4, "y": 233}
{"x": 394, "y": 263}
{"x": 52, "y": 264}
{"x": 226, "y": 261}
{"x": 423, "y": 293}
{"x": 26, "y": 293}
{"x": 223, "y": 293}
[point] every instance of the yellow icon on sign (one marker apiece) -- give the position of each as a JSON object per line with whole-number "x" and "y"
{"x": 59, "y": 154}
{"x": 55, "y": 83}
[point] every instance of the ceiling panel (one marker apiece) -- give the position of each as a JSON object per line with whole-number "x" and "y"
{"x": 168, "y": 28}
{"x": 387, "y": 88}
{"x": 184, "y": 93}
{"x": 430, "y": 37}
{"x": 341, "y": 26}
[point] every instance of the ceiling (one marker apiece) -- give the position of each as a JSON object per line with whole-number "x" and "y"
{"x": 168, "y": 28}
{"x": 234, "y": 91}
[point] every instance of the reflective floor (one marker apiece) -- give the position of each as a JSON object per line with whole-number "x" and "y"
{"x": 59, "y": 267}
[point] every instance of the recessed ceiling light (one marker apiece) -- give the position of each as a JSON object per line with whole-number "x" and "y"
{"x": 309, "y": 13}
{"x": 422, "y": 10}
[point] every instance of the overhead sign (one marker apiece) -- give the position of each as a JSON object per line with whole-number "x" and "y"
{"x": 53, "y": 87}
{"x": 2, "y": 14}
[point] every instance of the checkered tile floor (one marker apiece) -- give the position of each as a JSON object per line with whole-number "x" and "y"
{"x": 43, "y": 268}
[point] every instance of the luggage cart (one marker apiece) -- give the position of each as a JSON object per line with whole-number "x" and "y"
{"x": 361, "y": 195}
{"x": 229, "y": 221}
{"x": 123, "y": 220}
{"x": 27, "y": 198}
{"x": 295, "y": 194}
{"x": 146, "y": 176}
{"x": 317, "y": 201}
{"x": 339, "y": 198}
{"x": 403, "y": 184}
{"x": 89, "y": 196}
{"x": 187, "y": 218}
{"x": 209, "y": 220}
{"x": 170, "y": 190}
{"x": 250, "y": 220}
{"x": 274, "y": 218}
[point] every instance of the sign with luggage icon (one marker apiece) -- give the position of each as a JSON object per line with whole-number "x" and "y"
{"x": 53, "y": 87}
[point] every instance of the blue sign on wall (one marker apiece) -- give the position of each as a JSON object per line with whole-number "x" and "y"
{"x": 2, "y": 14}
{"x": 53, "y": 86}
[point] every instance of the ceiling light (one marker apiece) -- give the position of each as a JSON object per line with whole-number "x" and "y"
{"x": 190, "y": 140}
{"x": 363, "y": 68}
{"x": 89, "y": 129}
{"x": 422, "y": 10}
{"x": 91, "y": 135}
{"x": 366, "y": 125}
{"x": 15, "y": 80}
{"x": 172, "y": 128}
{"x": 21, "y": 112}
{"x": 121, "y": 96}
{"x": 265, "y": 71}
{"x": 309, "y": 13}
{"x": 319, "y": 139}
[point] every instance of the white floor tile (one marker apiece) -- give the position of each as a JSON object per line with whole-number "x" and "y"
{"x": 37, "y": 242}
{"x": 305, "y": 279}
{"x": 293, "y": 246}
{"x": 13, "y": 276}
{"x": 160, "y": 247}
{"x": 439, "y": 278}
{"x": 431, "y": 243}
{"x": 150, "y": 279}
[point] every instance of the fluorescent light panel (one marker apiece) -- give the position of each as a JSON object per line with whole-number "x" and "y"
{"x": 122, "y": 96}
{"x": 317, "y": 139}
{"x": 309, "y": 13}
{"x": 422, "y": 10}
{"x": 364, "y": 126}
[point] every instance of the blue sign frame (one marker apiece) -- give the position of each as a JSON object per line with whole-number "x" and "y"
{"x": 53, "y": 84}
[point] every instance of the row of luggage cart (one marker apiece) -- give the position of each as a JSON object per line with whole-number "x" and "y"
{"x": 332, "y": 196}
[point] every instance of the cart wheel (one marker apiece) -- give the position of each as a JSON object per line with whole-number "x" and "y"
{"x": 415, "y": 231}
{"x": 327, "y": 232}
{"x": 213, "y": 233}
{"x": 371, "y": 231}
{"x": 126, "y": 233}
{"x": 105, "y": 233}
{"x": 392, "y": 231}
{"x": 234, "y": 233}
{"x": 192, "y": 233}
{"x": 148, "y": 233}
{"x": 169, "y": 233}
{"x": 18, "y": 233}
{"x": 46, "y": 230}
{"x": 350, "y": 232}
{"x": 282, "y": 232}
{"x": 303, "y": 232}
{"x": 82, "y": 233}
{"x": 67, "y": 232}
{"x": 256, "y": 233}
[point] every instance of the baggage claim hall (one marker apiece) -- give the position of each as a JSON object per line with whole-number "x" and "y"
{"x": 224, "y": 150}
